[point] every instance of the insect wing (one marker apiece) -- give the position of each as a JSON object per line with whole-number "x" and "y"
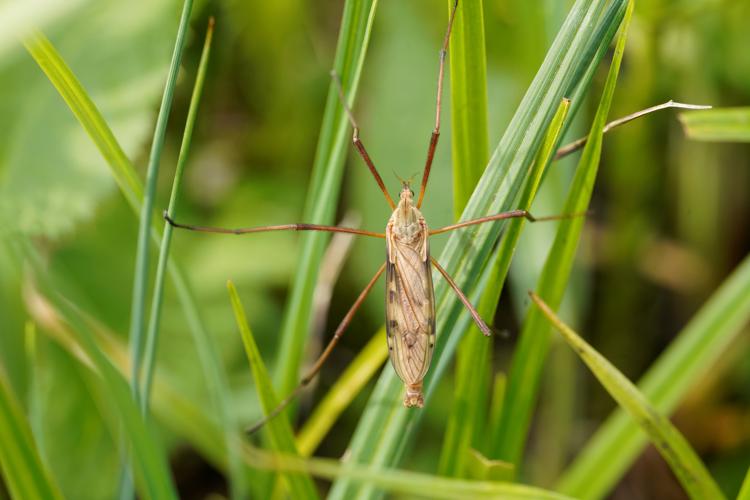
{"x": 410, "y": 311}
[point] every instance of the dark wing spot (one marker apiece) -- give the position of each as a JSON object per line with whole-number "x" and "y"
{"x": 394, "y": 323}
{"x": 391, "y": 296}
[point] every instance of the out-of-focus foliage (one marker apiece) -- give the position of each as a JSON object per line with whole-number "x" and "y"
{"x": 670, "y": 221}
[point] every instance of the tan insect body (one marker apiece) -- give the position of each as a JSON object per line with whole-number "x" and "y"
{"x": 410, "y": 302}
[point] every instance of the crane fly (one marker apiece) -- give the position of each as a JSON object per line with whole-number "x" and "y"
{"x": 410, "y": 302}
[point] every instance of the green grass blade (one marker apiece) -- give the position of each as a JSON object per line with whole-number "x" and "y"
{"x": 463, "y": 430}
{"x": 86, "y": 112}
{"x": 322, "y": 197}
{"x": 528, "y": 360}
{"x": 386, "y": 429}
{"x": 279, "y": 430}
{"x": 744, "y": 493}
{"x": 721, "y": 124}
{"x": 468, "y": 71}
{"x": 24, "y": 473}
{"x": 347, "y": 386}
{"x": 470, "y": 152}
{"x": 84, "y": 109}
{"x": 618, "y": 441}
{"x": 152, "y": 333}
{"x": 142, "y": 255}
{"x": 140, "y": 279}
{"x": 672, "y": 445}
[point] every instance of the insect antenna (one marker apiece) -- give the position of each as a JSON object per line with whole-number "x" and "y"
{"x": 323, "y": 356}
{"x": 438, "y": 105}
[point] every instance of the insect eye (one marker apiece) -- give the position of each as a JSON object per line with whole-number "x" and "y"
{"x": 412, "y": 193}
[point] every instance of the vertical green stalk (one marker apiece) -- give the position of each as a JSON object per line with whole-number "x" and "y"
{"x": 470, "y": 153}
{"x": 140, "y": 280}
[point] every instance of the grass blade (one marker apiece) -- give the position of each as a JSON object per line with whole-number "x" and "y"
{"x": 279, "y": 430}
{"x": 470, "y": 152}
{"x": 24, "y": 473}
{"x": 140, "y": 279}
{"x": 528, "y": 360}
{"x": 618, "y": 441}
{"x": 322, "y": 197}
{"x": 468, "y": 72}
{"x": 672, "y": 445}
{"x": 386, "y": 429}
{"x": 721, "y": 124}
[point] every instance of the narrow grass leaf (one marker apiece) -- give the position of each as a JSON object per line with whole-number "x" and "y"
{"x": 23, "y": 471}
{"x": 470, "y": 152}
{"x": 672, "y": 445}
{"x": 617, "y": 443}
{"x": 141, "y": 272}
{"x": 528, "y": 360}
{"x": 720, "y": 124}
{"x": 468, "y": 93}
{"x": 339, "y": 397}
{"x": 279, "y": 430}
{"x": 386, "y": 429}
{"x": 322, "y": 197}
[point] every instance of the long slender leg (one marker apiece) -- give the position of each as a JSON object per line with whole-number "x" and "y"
{"x": 438, "y": 105}
{"x": 506, "y": 215}
{"x": 474, "y": 314}
{"x": 282, "y": 227}
{"x": 358, "y": 143}
{"x": 323, "y": 356}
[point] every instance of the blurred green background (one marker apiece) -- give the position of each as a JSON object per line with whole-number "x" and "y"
{"x": 671, "y": 216}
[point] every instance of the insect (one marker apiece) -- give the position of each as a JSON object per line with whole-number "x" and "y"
{"x": 410, "y": 304}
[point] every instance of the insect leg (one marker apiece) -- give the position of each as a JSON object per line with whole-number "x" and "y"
{"x": 282, "y": 227}
{"x": 358, "y": 142}
{"x": 323, "y": 356}
{"x": 474, "y": 314}
{"x": 438, "y": 105}
{"x": 506, "y": 215}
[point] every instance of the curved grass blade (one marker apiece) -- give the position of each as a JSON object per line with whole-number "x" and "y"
{"x": 386, "y": 429}
{"x": 696, "y": 349}
{"x": 672, "y": 445}
{"x": 86, "y": 112}
{"x": 322, "y": 197}
{"x": 719, "y": 125}
{"x": 279, "y": 430}
{"x": 528, "y": 360}
{"x": 23, "y": 471}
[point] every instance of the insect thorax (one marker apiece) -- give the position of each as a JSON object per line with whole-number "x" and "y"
{"x": 407, "y": 225}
